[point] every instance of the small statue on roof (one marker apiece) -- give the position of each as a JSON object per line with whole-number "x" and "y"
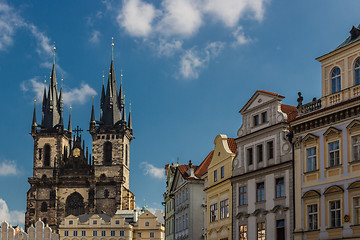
{"x": 299, "y": 100}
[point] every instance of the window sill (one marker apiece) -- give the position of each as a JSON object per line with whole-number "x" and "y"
{"x": 313, "y": 171}
{"x": 280, "y": 198}
{"x": 335, "y": 166}
{"x": 335, "y": 228}
{"x": 314, "y": 230}
{"x": 354, "y": 162}
{"x": 241, "y": 206}
{"x": 260, "y": 202}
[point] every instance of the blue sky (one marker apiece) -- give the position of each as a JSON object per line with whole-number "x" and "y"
{"x": 189, "y": 66}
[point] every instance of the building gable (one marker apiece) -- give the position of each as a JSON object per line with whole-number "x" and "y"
{"x": 259, "y": 98}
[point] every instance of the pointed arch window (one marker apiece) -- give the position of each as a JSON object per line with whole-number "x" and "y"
{"x": 357, "y": 72}
{"x": 126, "y": 155}
{"x": 47, "y": 155}
{"x": 335, "y": 80}
{"x": 107, "y": 152}
{"x": 44, "y": 207}
{"x": 74, "y": 204}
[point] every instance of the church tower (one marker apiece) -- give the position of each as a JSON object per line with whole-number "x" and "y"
{"x": 111, "y": 137}
{"x": 51, "y": 142}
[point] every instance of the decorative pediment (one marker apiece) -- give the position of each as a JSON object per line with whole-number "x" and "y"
{"x": 242, "y": 214}
{"x": 355, "y": 124}
{"x": 259, "y": 211}
{"x": 260, "y": 97}
{"x": 311, "y": 194}
{"x": 354, "y": 185}
{"x": 278, "y": 208}
{"x": 310, "y": 138}
{"x": 332, "y": 131}
{"x": 334, "y": 189}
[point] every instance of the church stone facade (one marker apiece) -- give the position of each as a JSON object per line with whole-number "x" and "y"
{"x": 66, "y": 178}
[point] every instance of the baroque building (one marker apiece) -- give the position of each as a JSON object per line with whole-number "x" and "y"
{"x": 327, "y": 149}
{"x": 66, "y": 179}
{"x": 262, "y": 170}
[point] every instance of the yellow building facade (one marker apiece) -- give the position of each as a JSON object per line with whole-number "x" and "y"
{"x": 327, "y": 150}
{"x": 219, "y": 190}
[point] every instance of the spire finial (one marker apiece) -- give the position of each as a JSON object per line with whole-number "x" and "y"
{"x": 54, "y": 48}
{"x": 112, "y": 48}
{"x": 121, "y": 76}
{"x": 130, "y": 105}
{"x": 103, "y": 77}
{"x": 62, "y": 80}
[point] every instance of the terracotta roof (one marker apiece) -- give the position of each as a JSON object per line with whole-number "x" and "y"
{"x": 290, "y": 111}
{"x": 183, "y": 170}
{"x": 275, "y": 94}
{"x": 167, "y": 166}
{"x": 202, "y": 169}
{"x": 232, "y": 144}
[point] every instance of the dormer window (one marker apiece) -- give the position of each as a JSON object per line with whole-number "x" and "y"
{"x": 357, "y": 72}
{"x": 256, "y": 120}
{"x": 335, "y": 80}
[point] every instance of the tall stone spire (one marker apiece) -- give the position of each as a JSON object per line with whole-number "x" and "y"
{"x": 34, "y": 124}
{"x": 124, "y": 113}
{"x": 92, "y": 118}
{"x": 111, "y": 105}
{"x": 69, "y": 124}
{"x": 130, "y": 121}
{"x": 51, "y": 109}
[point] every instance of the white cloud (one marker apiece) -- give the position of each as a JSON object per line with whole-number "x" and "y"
{"x": 152, "y": 171}
{"x": 73, "y": 96}
{"x": 192, "y": 62}
{"x": 79, "y": 95}
{"x": 167, "y": 48}
{"x": 9, "y": 21}
{"x": 180, "y": 17}
{"x": 44, "y": 49}
{"x": 95, "y": 36}
{"x": 240, "y": 38}
{"x": 8, "y": 168}
{"x": 136, "y": 17}
{"x": 12, "y": 217}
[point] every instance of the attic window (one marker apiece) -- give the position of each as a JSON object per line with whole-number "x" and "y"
{"x": 256, "y": 120}
{"x": 355, "y": 32}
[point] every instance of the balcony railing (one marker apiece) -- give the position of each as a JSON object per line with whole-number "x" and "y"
{"x": 309, "y": 107}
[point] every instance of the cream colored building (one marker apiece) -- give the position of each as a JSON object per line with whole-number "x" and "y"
{"x": 120, "y": 226}
{"x": 218, "y": 190}
{"x": 327, "y": 149}
{"x": 262, "y": 170}
{"x": 38, "y": 232}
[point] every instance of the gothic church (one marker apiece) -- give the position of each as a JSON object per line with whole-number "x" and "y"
{"x": 66, "y": 178}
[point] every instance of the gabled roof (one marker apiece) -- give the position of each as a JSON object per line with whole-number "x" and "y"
{"x": 232, "y": 144}
{"x": 290, "y": 111}
{"x": 202, "y": 169}
{"x": 258, "y": 92}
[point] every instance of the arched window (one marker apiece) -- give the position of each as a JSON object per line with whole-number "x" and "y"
{"x": 107, "y": 152}
{"x": 52, "y": 198}
{"x": 335, "y": 80}
{"x": 357, "y": 72}
{"x": 126, "y": 155}
{"x": 74, "y": 204}
{"x": 44, "y": 207}
{"x": 47, "y": 151}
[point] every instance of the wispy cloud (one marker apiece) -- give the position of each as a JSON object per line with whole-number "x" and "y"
{"x": 152, "y": 171}
{"x": 160, "y": 24}
{"x": 193, "y": 61}
{"x": 8, "y": 168}
{"x": 79, "y": 95}
{"x": 12, "y": 217}
{"x": 95, "y": 37}
{"x": 9, "y": 22}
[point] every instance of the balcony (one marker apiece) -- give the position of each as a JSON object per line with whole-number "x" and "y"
{"x": 309, "y": 107}
{"x": 344, "y": 94}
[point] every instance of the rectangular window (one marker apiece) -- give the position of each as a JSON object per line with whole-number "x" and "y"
{"x": 95, "y": 222}
{"x": 264, "y": 117}
{"x": 112, "y": 233}
{"x": 94, "y": 234}
{"x": 121, "y": 233}
{"x": 280, "y": 189}
{"x": 260, "y": 192}
{"x": 71, "y": 222}
{"x": 75, "y": 233}
{"x": 357, "y": 210}
{"x": 249, "y": 153}
{"x": 259, "y": 150}
{"x": 222, "y": 172}
{"x": 103, "y": 233}
{"x": 83, "y": 233}
{"x": 280, "y": 229}
{"x": 270, "y": 150}
{"x": 152, "y": 234}
{"x": 215, "y": 175}
{"x": 213, "y": 212}
{"x": 40, "y": 153}
{"x": 66, "y": 233}
{"x": 117, "y": 222}
{"x": 312, "y": 217}
{"x": 242, "y": 196}
{"x": 335, "y": 212}
{"x": 311, "y": 159}
{"x": 334, "y": 154}
{"x": 256, "y": 120}
{"x": 139, "y": 235}
{"x": 356, "y": 147}
{"x": 224, "y": 209}
{"x": 261, "y": 231}
{"x": 243, "y": 232}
